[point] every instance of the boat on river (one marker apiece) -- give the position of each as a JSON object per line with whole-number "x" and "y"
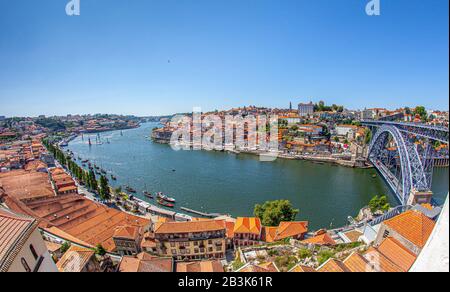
{"x": 166, "y": 198}
{"x": 148, "y": 194}
{"x": 165, "y": 204}
{"x": 130, "y": 189}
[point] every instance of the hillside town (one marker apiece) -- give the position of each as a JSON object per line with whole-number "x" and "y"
{"x": 321, "y": 133}
{"x": 54, "y": 218}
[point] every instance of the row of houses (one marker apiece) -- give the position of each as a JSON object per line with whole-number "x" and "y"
{"x": 62, "y": 182}
{"x": 202, "y": 239}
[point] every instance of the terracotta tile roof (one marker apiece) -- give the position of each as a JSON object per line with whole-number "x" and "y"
{"x": 322, "y": 239}
{"x": 248, "y": 225}
{"x": 397, "y": 253}
{"x": 230, "y": 229}
{"x": 190, "y": 227}
{"x": 75, "y": 259}
{"x": 269, "y": 234}
{"x": 34, "y": 165}
{"x": 127, "y": 232}
{"x": 356, "y": 263}
{"x": 291, "y": 229}
{"x": 200, "y": 267}
{"x": 414, "y": 226}
{"x": 68, "y": 189}
{"x": 353, "y": 235}
{"x": 61, "y": 234}
{"x": 381, "y": 263}
{"x": 14, "y": 232}
{"x": 51, "y": 246}
{"x": 302, "y": 269}
{"x": 24, "y": 185}
{"x": 145, "y": 263}
{"x": 261, "y": 268}
{"x": 82, "y": 219}
{"x": 333, "y": 266}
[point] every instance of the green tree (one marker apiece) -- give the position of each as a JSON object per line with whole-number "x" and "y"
{"x": 92, "y": 181}
{"x": 105, "y": 193}
{"x": 379, "y": 203}
{"x": 100, "y": 250}
{"x": 272, "y": 213}
{"x": 421, "y": 111}
{"x": 65, "y": 247}
{"x": 324, "y": 256}
{"x": 304, "y": 253}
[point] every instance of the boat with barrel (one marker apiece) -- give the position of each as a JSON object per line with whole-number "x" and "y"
{"x": 165, "y": 204}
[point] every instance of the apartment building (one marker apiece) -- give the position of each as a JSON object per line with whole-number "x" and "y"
{"x": 194, "y": 240}
{"x": 127, "y": 240}
{"x": 305, "y": 109}
{"x": 247, "y": 232}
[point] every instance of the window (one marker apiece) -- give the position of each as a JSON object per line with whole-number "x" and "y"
{"x": 386, "y": 234}
{"x": 25, "y": 265}
{"x": 33, "y": 251}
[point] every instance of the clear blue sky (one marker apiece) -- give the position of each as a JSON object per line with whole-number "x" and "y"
{"x": 114, "y": 57}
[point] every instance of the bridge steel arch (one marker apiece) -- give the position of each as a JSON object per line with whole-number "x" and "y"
{"x": 414, "y": 174}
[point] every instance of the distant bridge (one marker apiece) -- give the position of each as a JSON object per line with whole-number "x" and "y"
{"x": 406, "y": 166}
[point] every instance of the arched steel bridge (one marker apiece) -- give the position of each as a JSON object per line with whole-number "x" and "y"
{"x": 405, "y": 165}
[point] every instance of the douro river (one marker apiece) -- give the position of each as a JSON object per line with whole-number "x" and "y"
{"x": 232, "y": 184}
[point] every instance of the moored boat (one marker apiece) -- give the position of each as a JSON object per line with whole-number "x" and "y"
{"x": 165, "y": 204}
{"x": 166, "y": 198}
{"x": 130, "y": 189}
{"x": 147, "y": 194}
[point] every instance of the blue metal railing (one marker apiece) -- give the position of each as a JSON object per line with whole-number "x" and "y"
{"x": 391, "y": 214}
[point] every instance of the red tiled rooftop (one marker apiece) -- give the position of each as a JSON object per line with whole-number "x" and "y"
{"x": 414, "y": 226}
{"x": 14, "y": 230}
{"x": 397, "y": 253}
{"x": 200, "y": 267}
{"x": 248, "y": 225}
{"x": 190, "y": 227}
{"x": 25, "y": 185}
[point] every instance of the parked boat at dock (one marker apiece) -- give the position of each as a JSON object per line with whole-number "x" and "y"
{"x": 166, "y": 198}
{"x": 165, "y": 204}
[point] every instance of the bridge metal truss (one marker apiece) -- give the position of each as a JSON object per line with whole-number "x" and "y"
{"x": 415, "y": 170}
{"x": 435, "y": 133}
